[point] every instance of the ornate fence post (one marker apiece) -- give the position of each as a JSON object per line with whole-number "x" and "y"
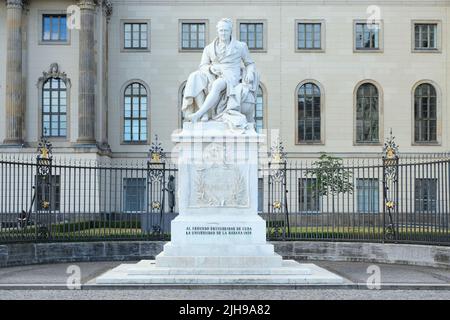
{"x": 390, "y": 186}
{"x": 277, "y": 190}
{"x": 156, "y": 181}
{"x": 44, "y": 194}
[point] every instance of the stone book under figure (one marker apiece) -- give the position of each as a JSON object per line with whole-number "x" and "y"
{"x": 218, "y": 236}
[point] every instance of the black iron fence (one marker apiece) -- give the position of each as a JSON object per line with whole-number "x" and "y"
{"x": 385, "y": 199}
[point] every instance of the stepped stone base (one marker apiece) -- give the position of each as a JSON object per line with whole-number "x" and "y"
{"x": 147, "y": 272}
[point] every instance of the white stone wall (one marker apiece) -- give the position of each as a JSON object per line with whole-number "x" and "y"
{"x": 338, "y": 69}
{"x": 2, "y": 68}
{"x": 164, "y": 68}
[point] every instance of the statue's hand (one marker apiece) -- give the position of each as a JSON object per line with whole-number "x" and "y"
{"x": 215, "y": 70}
{"x": 248, "y": 77}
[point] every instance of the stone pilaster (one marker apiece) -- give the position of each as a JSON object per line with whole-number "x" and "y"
{"x": 107, "y": 12}
{"x": 87, "y": 76}
{"x": 15, "y": 111}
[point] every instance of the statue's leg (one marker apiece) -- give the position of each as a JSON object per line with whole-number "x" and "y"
{"x": 211, "y": 99}
{"x": 199, "y": 100}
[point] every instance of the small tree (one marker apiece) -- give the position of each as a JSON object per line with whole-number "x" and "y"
{"x": 331, "y": 177}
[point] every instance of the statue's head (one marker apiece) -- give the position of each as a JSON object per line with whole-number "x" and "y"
{"x": 224, "y": 29}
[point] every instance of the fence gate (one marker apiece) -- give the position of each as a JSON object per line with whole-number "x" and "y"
{"x": 277, "y": 206}
{"x": 153, "y": 220}
{"x": 44, "y": 195}
{"x": 390, "y": 188}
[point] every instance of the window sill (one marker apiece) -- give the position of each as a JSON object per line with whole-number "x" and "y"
{"x": 315, "y": 143}
{"x": 309, "y": 50}
{"x": 57, "y": 139}
{"x": 367, "y": 50}
{"x": 134, "y": 143}
{"x": 257, "y": 50}
{"x": 367, "y": 144}
{"x": 126, "y": 50}
{"x": 426, "y": 144}
{"x": 426, "y": 50}
{"x": 190, "y": 50}
{"x": 53, "y": 43}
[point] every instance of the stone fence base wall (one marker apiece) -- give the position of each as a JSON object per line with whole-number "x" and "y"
{"x": 40, "y": 253}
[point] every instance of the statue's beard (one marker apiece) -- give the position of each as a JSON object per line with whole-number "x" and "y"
{"x": 226, "y": 40}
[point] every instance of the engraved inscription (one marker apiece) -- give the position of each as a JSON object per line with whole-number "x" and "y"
{"x": 218, "y": 231}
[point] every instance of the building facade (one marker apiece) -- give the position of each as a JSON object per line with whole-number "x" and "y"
{"x": 101, "y": 78}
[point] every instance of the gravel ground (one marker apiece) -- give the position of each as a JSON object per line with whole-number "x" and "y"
{"x": 204, "y": 294}
{"x": 49, "y": 282}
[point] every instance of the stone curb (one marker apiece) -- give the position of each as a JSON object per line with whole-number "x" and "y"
{"x": 406, "y": 254}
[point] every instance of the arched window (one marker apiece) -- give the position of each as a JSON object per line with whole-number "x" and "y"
{"x": 425, "y": 119}
{"x": 367, "y": 114}
{"x": 259, "y": 110}
{"x": 309, "y": 113}
{"x": 135, "y": 113}
{"x": 54, "y": 108}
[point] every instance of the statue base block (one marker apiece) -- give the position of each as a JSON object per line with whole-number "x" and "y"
{"x": 218, "y": 236}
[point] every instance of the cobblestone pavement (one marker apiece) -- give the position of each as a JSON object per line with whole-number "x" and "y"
{"x": 398, "y": 282}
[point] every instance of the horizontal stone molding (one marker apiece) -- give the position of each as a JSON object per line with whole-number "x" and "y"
{"x": 285, "y": 2}
{"x": 43, "y": 253}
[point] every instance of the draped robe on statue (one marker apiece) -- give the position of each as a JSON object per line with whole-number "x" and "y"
{"x": 228, "y": 60}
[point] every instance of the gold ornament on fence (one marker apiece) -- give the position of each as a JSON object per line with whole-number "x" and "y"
{"x": 45, "y": 204}
{"x": 276, "y": 205}
{"x": 390, "y": 204}
{"x": 156, "y": 205}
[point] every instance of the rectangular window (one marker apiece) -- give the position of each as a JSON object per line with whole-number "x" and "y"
{"x": 309, "y": 36}
{"x": 367, "y": 36}
{"x": 252, "y": 34}
{"x": 48, "y": 193}
{"x": 425, "y": 195}
{"x": 425, "y": 36}
{"x": 134, "y": 190}
{"x": 193, "y": 35}
{"x": 308, "y": 198}
{"x": 368, "y": 195}
{"x": 54, "y": 28}
{"x": 135, "y": 35}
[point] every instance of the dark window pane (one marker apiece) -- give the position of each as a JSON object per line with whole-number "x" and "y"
{"x": 309, "y": 113}
{"x": 135, "y": 113}
{"x": 425, "y": 113}
{"x": 54, "y": 103}
{"x": 367, "y": 113}
{"x": 193, "y": 35}
{"x": 308, "y": 35}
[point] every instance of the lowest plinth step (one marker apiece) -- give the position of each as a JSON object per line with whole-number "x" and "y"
{"x": 146, "y": 272}
{"x": 269, "y": 261}
{"x": 149, "y": 267}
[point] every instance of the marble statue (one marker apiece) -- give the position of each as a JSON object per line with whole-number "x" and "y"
{"x": 221, "y": 89}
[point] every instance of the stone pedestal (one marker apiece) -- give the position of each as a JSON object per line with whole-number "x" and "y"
{"x": 218, "y": 237}
{"x": 218, "y": 199}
